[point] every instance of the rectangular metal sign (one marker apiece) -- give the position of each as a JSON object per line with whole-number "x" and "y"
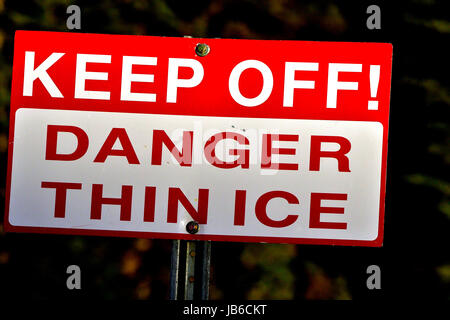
{"x": 257, "y": 141}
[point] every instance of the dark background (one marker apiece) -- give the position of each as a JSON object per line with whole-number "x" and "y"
{"x": 414, "y": 259}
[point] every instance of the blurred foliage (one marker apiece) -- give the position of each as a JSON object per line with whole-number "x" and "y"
{"x": 444, "y": 271}
{"x": 440, "y": 185}
{"x": 414, "y": 260}
{"x": 272, "y": 262}
{"x": 321, "y": 286}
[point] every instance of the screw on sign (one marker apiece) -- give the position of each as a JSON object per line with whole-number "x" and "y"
{"x": 281, "y": 141}
{"x": 192, "y": 227}
{"x": 202, "y": 49}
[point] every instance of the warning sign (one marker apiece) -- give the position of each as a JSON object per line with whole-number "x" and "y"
{"x": 279, "y": 141}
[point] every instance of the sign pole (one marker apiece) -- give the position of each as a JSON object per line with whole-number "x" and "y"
{"x": 189, "y": 277}
{"x": 190, "y": 268}
{"x": 206, "y": 269}
{"x": 174, "y": 269}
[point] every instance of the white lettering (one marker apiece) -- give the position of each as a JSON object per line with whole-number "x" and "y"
{"x": 334, "y": 84}
{"x": 233, "y": 83}
{"x": 128, "y": 77}
{"x": 82, "y": 75}
{"x": 290, "y": 83}
{"x": 173, "y": 82}
{"x": 31, "y": 74}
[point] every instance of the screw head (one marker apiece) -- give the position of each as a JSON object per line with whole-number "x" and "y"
{"x": 202, "y": 49}
{"x": 192, "y": 227}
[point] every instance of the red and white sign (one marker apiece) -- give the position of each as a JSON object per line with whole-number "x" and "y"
{"x": 259, "y": 141}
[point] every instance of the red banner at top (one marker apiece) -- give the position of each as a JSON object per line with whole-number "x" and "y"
{"x": 163, "y": 75}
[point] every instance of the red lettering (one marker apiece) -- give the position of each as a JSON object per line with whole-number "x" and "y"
{"x": 184, "y": 158}
{"x": 52, "y": 141}
{"x": 124, "y": 202}
{"x": 268, "y": 150}
{"x": 243, "y": 155}
{"x": 149, "y": 204}
{"x": 126, "y": 151}
{"x": 316, "y": 209}
{"x": 239, "y": 208}
{"x": 60, "y": 195}
{"x": 176, "y": 195}
{"x": 317, "y": 153}
{"x": 261, "y": 209}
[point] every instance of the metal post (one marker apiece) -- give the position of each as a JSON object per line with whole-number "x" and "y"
{"x": 190, "y": 280}
{"x": 174, "y": 269}
{"x": 206, "y": 267}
